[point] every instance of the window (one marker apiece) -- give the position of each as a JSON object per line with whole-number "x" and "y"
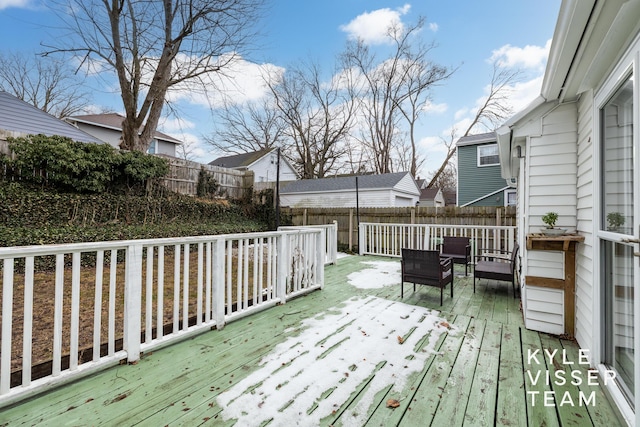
{"x": 488, "y": 155}
{"x": 153, "y": 147}
{"x": 510, "y": 197}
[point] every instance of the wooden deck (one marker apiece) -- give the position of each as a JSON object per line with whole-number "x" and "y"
{"x": 477, "y": 373}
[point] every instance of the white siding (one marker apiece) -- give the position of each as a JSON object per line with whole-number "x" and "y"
{"x": 584, "y": 256}
{"x": 550, "y": 181}
{"x": 552, "y": 169}
{"x": 337, "y": 199}
{"x": 407, "y": 185}
{"x": 265, "y": 169}
{"x": 545, "y": 310}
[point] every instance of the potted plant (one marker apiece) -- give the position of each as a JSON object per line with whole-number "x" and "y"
{"x": 615, "y": 220}
{"x": 550, "y": 218}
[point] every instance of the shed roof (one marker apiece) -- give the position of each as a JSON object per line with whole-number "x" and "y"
{"x": 381, "y": 181}
{"x": 114, "y": 121}
{"x": 240, "y": 160}
{"x": 18, "y": 116}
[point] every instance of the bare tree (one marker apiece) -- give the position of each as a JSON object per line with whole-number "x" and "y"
{"x": 493, "y": 111}
{"x": 319, "y": 115}
{"x": 396, "y": 89}
{"x": 45, "y": 83}
{"x": 154, "y": 46}
{"x": 243, "y": 128}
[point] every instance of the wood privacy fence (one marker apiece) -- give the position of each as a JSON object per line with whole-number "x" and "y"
{"x": 349, "y": 218}
{"x": 183, "y": 178}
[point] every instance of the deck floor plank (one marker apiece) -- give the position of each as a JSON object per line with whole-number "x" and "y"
{"x": 475, "y": 377}
{"x": 535, "y": 368}
{"x": 482, "y": 395}
{"x": 424, "y": 404}
{"x": 455, "y": 396}
{"x": 511, "y": 405}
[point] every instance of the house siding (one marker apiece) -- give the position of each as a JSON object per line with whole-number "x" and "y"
{"x": 585, "y": 187}
{"x": 367, "y": 198}
{"x": 478, "y": 182}
{"x": 551, "y": 177}
{"x": 266, "y": 168}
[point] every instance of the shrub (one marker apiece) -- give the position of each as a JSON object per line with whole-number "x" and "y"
{"x": 59, "y": 162}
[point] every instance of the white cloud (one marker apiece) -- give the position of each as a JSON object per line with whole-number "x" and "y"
{"x": 531, "y": 57}
{"x": 430, "y": 107}
{"x": 433, "y": 144}
{"x": 240, "y": 81}
{"x": 433, "y": 27}
{"x": 5, "y": 4}
{"x": 372, "y": 27}
{"x": 461, "y": 113}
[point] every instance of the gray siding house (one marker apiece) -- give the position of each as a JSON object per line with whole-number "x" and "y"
{"x": 19, "y": 118}
{"x": 384, "y": 190}
{"x": 480, "y": 182}
{"x": 108, "y": 128}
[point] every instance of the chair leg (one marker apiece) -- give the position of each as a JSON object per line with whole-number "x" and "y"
{"x": 474, "y": 283}
{"x": 441, "y": 289}
{"x": 451, "y": 288}
{"x": 402, "y": 289}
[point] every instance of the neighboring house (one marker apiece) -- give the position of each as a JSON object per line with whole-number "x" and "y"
{"x": 263, "y": 163}
{"x": 108, "y": 128}
{"x": 479, "y": 180}
{"x": 19, "y": 118}
{"x": 431, "y": 197}
{"x": 385, "y": 190}
{"x": 421, "y": 183}
{"x": 575, "y": 151}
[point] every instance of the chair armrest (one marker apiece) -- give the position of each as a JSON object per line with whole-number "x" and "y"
{"x": 446, "y": 263}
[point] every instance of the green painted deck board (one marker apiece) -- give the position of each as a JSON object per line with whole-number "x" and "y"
{"x": 476, "y": 377}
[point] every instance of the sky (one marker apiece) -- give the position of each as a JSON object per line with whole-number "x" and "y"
{"x": 319, "y": 358}
{"x": 468, "y": 36}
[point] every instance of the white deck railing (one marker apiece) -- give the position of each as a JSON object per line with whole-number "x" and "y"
{"x": 389, "y": 239}
{"x": 330, "y": 233}
{"x": 122, "y": 298}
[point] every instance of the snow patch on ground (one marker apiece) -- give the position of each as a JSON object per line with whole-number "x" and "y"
{"x": 379, "y": 275}
{"x": 312, "y": 374}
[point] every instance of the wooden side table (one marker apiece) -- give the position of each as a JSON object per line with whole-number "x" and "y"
{"x": 567, "y": 245}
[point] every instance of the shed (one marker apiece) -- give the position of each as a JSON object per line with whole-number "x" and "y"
{"x": 383, "y": 190}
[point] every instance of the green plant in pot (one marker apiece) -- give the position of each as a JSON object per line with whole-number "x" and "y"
{"x": 615, "y": 220}
{"x": 550, "y": 219}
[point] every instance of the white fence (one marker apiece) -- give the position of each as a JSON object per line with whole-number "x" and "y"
{"x": 95, "y": 304}
{"x": 330, "y": 235}
{"x": 389, "y": 239}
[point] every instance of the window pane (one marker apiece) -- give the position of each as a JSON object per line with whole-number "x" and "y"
{"x": 488, "y": 155}
{"x": 618, "y": 282}
{"x": 617, "y": 161}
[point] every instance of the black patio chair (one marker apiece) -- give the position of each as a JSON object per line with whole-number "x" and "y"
{"x": 459, "y": 249}
{"x": 426, "y": 268}
{"x": 492, "y": 266}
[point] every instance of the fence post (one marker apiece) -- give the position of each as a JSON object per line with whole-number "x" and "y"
{"x": 361, "y": 238}
{"x": 283, "y": 266}
{"x": 334, "y": 242}
{"x": 321, "y": 251}
{"x": 133, "y": 302}
{"x": 218, "y": 283}
{"x": 350, "y": 230}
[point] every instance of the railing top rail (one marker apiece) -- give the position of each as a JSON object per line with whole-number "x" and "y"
{"x": 492, "y": 227}
{"x": 53, "y": 249}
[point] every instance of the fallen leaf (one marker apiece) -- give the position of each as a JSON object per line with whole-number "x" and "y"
{"x": 392, "y": 403}
{"x": 445, "y": 324}
{"x": 400, "y": 339}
